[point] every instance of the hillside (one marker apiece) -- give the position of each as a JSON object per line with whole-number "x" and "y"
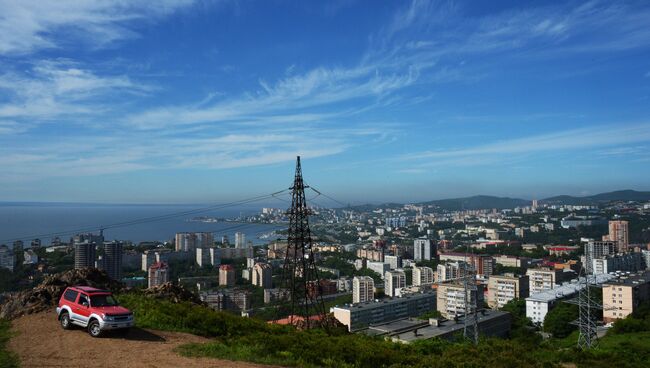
{"x": 39, "y": 341}
{"x": 619, "y": 195}
{"x": 478, "y": 202}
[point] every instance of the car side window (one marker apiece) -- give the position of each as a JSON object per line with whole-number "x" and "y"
{"x": 70, "y": 295}
{"x": 83, "y": 299}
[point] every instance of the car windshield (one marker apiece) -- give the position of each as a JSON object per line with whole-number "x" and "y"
{"x": 103, "y": 301}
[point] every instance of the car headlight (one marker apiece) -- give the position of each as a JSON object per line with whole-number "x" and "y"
{"x": 109, "y": 318}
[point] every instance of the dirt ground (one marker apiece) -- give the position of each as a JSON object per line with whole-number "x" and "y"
{"x": 41, "y": 342}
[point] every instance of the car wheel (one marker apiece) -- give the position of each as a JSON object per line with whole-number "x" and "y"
{"x": 93, "y": 329}
{"x": 64, "y": 320}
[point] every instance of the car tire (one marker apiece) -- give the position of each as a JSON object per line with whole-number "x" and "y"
{"x": 64, "y": 320}
{"x": 94, "y": 329}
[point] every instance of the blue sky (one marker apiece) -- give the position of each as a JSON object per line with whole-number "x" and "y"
{"x": 201, "y": 101}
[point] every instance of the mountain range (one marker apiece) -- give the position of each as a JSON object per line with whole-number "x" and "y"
{"x": 486, "y": 201}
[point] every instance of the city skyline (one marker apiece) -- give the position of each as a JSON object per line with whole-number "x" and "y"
{"x": 195, "y": 101}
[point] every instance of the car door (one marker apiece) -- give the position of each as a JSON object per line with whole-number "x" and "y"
{"x": 83, "y": 308}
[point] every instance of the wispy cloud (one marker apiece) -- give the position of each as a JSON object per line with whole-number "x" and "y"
{"x": 564, "y": 141}
{"x": 30, "y": 25}
{"x": 52, "y": 89}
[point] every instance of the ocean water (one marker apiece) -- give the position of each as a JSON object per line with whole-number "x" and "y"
{"x": 27, "y": 222}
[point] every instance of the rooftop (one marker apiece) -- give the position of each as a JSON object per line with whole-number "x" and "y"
{"x": 90, "y": 289}
{"x": 629, "y": 278}
{"x": 408, "y": 330}
{"x": 567, "y": 288}
{"x": 387, "y": 301}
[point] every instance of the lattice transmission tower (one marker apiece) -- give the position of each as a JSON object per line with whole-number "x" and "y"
{"x": 470, "y": 295}
{"x": 300, "y": 277}
{"x": 587, "y": 306}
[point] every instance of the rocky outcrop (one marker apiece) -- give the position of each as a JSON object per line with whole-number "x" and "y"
{"x": 173, "y": 293}
{"x": 46, "y": 295}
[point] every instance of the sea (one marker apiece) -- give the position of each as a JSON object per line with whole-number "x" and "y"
{"x": 33, "y": 220}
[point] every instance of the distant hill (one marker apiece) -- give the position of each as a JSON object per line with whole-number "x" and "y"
{"x": 619, "y": 195}
{"x": 478, "y": 202}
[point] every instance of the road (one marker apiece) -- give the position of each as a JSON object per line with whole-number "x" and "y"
{"x": 40, "y": 342}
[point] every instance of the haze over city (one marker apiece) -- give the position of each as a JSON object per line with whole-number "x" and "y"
{"x": 193, "y": 101}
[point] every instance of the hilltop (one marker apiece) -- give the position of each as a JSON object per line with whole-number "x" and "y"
{"x": 488, "y": 202}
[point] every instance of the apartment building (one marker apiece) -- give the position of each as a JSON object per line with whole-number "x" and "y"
{"x": 451, "y": 299}
{"x": 504, "y": 288}
{"x": 423, "y": 276}
{"x": 363, "y": 289}
{"x": 623, "y": 294}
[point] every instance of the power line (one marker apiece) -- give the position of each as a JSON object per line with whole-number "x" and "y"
{"x": 328, "y": 197}
{"x": 148, "y": 219}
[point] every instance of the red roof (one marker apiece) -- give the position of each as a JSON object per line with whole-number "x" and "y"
{"x": 158, "y": 265}
{"x": 227, "y": 267}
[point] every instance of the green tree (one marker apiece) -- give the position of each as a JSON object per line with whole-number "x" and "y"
{"x": 558, "y": 320}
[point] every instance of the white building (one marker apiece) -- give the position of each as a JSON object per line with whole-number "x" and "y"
{"x": 262, "y": 275}
{"x": 423, "y": 276}
{"x": 451, "y": 299}
{"x": 240, "y": 240}
{"x": 451, "y": 271}
{"x": 394, "y": 262}
{"x": 188, "y": 242}
{"x": 363, "y": 289}
{"x": 541, "y": 279}
{"x": 394, "y": 281}
{"x": 424, "y": 249}
{"x": 538, "y": 304}
{"x": 379, "y": 267}
{"x": 208, "y": 257}
{"x": 30, "y": 257}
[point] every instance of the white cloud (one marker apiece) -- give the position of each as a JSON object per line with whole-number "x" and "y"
{"x": 27, "y": 26}
{"x": 51, "y": 90}
{"x": 558, "y": 142}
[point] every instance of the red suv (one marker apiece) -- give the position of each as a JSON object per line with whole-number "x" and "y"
{"x": 95, "y": 309}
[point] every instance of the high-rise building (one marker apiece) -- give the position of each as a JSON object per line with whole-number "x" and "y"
{"x": 394, "y": 262}
{"x": 424, "y": 249}
{"x": 188, "y": 242}
{"x": 7, "y": 258}
{"x": 84, "y": 255}
{"x": 423, "y": 276}
{"x": 224, "y": 241}
{"x": 394, "y": 281}
{"x": 630, "y": 262}
{"x": 599, "y": 249}
{"x": 148, "y": 259}
{"x": 240, "y": 240}
{"x": 541, "y": 279}
{"x": 207, "y": 257}
{"x": 36, "y": 243}
{"x": 451, "y": 271}
{"x": 158, "y": 274}
{"x": 18, "y": 246}
{"x": 618, "y": 232}
{"x": 113, "y": 260}
{"x": 504, "y": 288}
{"x": 227, "y": 275}
{"x": 262, "y": 275}
{"x": 363, "y": 289}
{"x": 451, "y": 299}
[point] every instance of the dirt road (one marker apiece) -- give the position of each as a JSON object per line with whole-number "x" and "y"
{"x": 41, "y": 342}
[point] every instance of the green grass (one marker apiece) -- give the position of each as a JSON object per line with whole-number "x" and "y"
{"x": 251, "y": 340}
{"x": 7, "y": 358}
